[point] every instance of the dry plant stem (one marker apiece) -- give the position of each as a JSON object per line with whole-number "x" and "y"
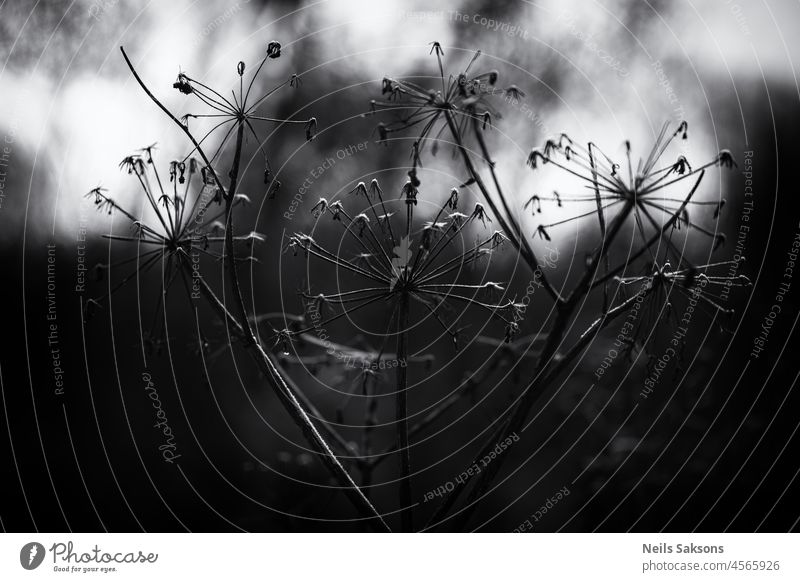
{"x": 424, "y": 423}
{"x": 515, "y": 421}
{"x": 264, "y": 361}
{"x": 229, "y": 255}
{"x": 564, "y": 314}
{"x": 601, "y": 219}
{"x": 442, "y": 408}
{"x": 401, "y": 418}
{"x": 667, "y": 225}
{"x": 370, "y": 421}
{"x": 288, "y": 399}
{"x": 519, "y": 242}
{"x": 171, "y": 116}
{"x": 523, "y": 406}
{"x": 565, "y": 309}
{"x": 532, "y": 395}
{"x": 527, "y": 251}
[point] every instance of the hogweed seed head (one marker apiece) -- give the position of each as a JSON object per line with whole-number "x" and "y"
{"x": 643, "y": 192}
{"x": 404, "y": 264}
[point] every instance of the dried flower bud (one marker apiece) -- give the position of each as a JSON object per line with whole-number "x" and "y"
{"x": 514, "y": 92}
{"x": 383, "y": 133}
{"x": 543, "y": 233}
{"x": 480, "y": 214}
{"x": 535, "y": 204}
{"x": 362, "y": 221}
{"x": 182, "y": 84}
{"x": 725, "y": 158}
{"x": 534, "y": 157}
{"x": 683, "y": 129}
{"x": 274, "y": 189}
{"x": 719, "y": 207}
{"x": 320, "y": 207}
{"x": 681, "y": 166}
{"x": 374, "y": 187}
{"x": 360, "y": 188}
{"x": 409, "y": 191}
{"x": 311, "y": 128}
{"x": 336, "y": 209}
{"x": 274, "y": 49}
{"x": 452, "y": 203}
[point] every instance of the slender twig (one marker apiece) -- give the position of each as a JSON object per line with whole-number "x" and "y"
{"x": 401, "y": 418}
{"x": 290, "y": 401}
{"x": 264, "y": 361}
{"x": 516, "y": 420}
{"x": 520, "y": 245}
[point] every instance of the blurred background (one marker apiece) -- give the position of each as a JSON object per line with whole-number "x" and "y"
{"x": 711, "y": 451}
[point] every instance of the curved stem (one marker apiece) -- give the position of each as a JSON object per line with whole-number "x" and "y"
{"x": 173, "y": 118}
{"x": 242, "y": 328}
{"x": 291, "y": 403}
{"x": 515, "y": 421}
{"x": 516, "y": 239}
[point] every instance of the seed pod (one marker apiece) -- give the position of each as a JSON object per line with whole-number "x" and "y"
{"x": 182, "y": 84}
{"x": 543, "y": 233}
{"x": 311, "y": 128}
{"x": 274, "y": 49}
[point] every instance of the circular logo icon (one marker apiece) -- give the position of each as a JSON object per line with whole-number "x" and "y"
{"x": 31, "y": 555}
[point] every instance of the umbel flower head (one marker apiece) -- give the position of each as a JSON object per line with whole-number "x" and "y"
{"x": 239, "y": 111}
{"x": 396, "y": 261}
{"x": 647, "y": 190}
{"x": 185, "y": 225}
{"x": 452, "y": 102}
{"x": 674, "y": 298}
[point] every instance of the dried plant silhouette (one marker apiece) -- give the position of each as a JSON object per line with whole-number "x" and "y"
{"x": 401, "y": 266}
{"x": 421, "y": 271}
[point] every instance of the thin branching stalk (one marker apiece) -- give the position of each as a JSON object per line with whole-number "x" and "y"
{"x": 516, "y": 420}
{"x": 290, "y": 401}
{"x": 242, "y": 327}
{"x": 520, "y": 243}
{"x": 565, "y": 307}
{"x": 230, "y": 257}
{"x": 555, "y": 336}
{"x": 517, "y": 233}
